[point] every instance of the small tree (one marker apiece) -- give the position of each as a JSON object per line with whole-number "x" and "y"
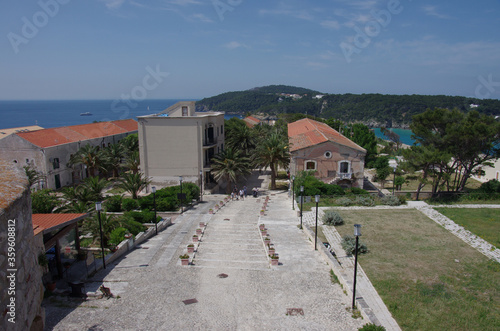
{"x": 331, "y": 217}
{"x": 133, "y": 183}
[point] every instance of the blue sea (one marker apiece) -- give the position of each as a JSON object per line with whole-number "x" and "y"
{"x": 56, "y": 113}
{"x": 404, "y": 135}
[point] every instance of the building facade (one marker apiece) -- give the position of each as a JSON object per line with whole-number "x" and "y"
{"x": 334, "y": 159}
{"x": 180, "y": 142}
{"x": 49, "y": 150}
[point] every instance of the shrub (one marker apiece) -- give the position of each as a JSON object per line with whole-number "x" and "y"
{"x": 117, "y": 236}
{"x": 331, "y": 217}
{"x": 144, "y": 216}
{"x": 344, "y": 202}
{"x": 43, "y": 201}
{"x": 134, "y": 227}
{"x": 491, "y": 186}
{"x": 129, "y": 204}
{"x": 113, "y": 204}
{"x": 372, "y": 327}
{"x": 349, "y": 245}
{"x": 366, "y": 201}
{"x": 391, "y": 200}
{"x": 402, "y": 199}
{"x": 357, "y": 191}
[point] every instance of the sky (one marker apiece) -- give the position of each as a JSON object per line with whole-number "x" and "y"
{"x": 173, "y": 49}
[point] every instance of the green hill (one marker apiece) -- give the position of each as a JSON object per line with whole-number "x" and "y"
{"x": 371, "y": 109}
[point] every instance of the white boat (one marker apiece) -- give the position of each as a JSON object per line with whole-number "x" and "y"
{"x": 86, "y": 114}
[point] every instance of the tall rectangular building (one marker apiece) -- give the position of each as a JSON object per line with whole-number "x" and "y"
{"x": 180, "y": 142}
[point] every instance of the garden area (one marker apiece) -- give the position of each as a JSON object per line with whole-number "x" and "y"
{"x": 428, "y": 278}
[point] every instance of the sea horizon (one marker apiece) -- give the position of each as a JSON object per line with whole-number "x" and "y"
{"x": 58, "y": 113}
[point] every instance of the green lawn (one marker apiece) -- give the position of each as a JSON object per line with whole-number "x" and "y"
{"x": 428, "y": 278}
{"x": 484, "y": 222}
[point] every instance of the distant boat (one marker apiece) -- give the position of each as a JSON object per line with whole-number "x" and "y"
{"x": 86, "y": 114}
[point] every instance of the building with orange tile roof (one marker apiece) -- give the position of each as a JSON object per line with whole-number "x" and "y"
{"x": 49, "y": 150}
{"x": 7, "y": 132}
{"x": 251, "y": 121}
{"x": 334, "y": 158}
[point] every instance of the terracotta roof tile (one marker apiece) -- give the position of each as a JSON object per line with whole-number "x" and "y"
{"x": 306, "y": 132}
{"x": 47, "y": 222}
{"x": 251, "y": 121}
{"x": 67, "y": 134}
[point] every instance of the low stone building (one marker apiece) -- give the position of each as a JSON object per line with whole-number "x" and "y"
{"x": 49, "y": 150}
{"x": 21, "y": 289}
{"x": 334, "y": 159}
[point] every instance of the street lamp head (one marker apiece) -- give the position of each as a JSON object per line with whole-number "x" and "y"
{"x": 98, "y": 206}
{"x": 153, "y": 189}
{"x": 293, "y": 177}
{"x": 316, "y": 198}
{"x": 302, "y": 189}
{"x": 357, "y": 230}
{"x": 201, "y": 172}
{"x": 180, "y": 178}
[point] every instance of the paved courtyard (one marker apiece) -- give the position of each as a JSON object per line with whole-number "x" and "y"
{"x": 153, "y": 287}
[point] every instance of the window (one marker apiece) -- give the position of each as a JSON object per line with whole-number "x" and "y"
{"x": 344, "y": 167}
{"x": 328, "y": 154}
{"x": 27, "y": 160}
{"x": 222, "y": 129}
{"x": 184, "y": 111}
{"x": 310, "y": 165}
{"x": 55, "y": 163}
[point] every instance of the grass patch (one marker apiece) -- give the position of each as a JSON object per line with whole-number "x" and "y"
{"x": 484, "y": 223}
{"x": 412, "y": 264}
{"x": 334, "y": 278}
{"x": 280, "y": 185}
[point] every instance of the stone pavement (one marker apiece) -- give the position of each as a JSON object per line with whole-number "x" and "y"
{"x": 157, "y": 293}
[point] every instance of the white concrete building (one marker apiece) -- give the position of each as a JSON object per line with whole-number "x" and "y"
{"x": 180, "y": 142}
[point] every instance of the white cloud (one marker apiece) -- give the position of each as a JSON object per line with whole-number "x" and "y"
{"x": 234, "y": 45}
{"x": 183, "y": 2}
{"x": 330, "y": 24}
{"x": 201, "y": 17}
{"x": 432, "y": 11}
{"x": 113, "y": 4}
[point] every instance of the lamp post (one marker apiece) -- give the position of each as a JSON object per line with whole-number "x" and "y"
{"x": 394, "y": 180}
{"x": 316, "y": 198}
{"x": 201, "y": 185}
{"x": 357, "y": 233}
{"x": 182, "y": 208}
{"x": 301, "y": 201}
{"x": 98, "y": 207}
{"x": 153, "y": 189}
{"x": 293, "y": 192}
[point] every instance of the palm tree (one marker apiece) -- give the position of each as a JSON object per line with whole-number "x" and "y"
{"x": 89, "y": 156}
{"x": 79, "y": 199}
{"x": 242, "y": 140}
{"x": 95, "y": 186}
{"x": 113, "y": 156}
{"x": 33, "y": 175}
{"x": 273, "y": 152}
{"x": 228, "y": 165}
{"x": 133, "y": 183}
{"x": 132, "y": 162}
{"x": 109, "y": 223}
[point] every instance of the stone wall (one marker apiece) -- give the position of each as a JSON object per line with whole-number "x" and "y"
{"x": 21, "y": 289}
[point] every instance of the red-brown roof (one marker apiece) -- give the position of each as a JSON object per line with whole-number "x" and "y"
{"x": 49, "y": 222}
{"x": 251, "y": 121}
{"x": 68, "y": 134}
{"x": 306, "y": 132}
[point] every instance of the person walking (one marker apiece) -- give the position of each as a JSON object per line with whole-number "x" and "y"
{"x": 242, "y": 195}
{"x": 245, "y": 191}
